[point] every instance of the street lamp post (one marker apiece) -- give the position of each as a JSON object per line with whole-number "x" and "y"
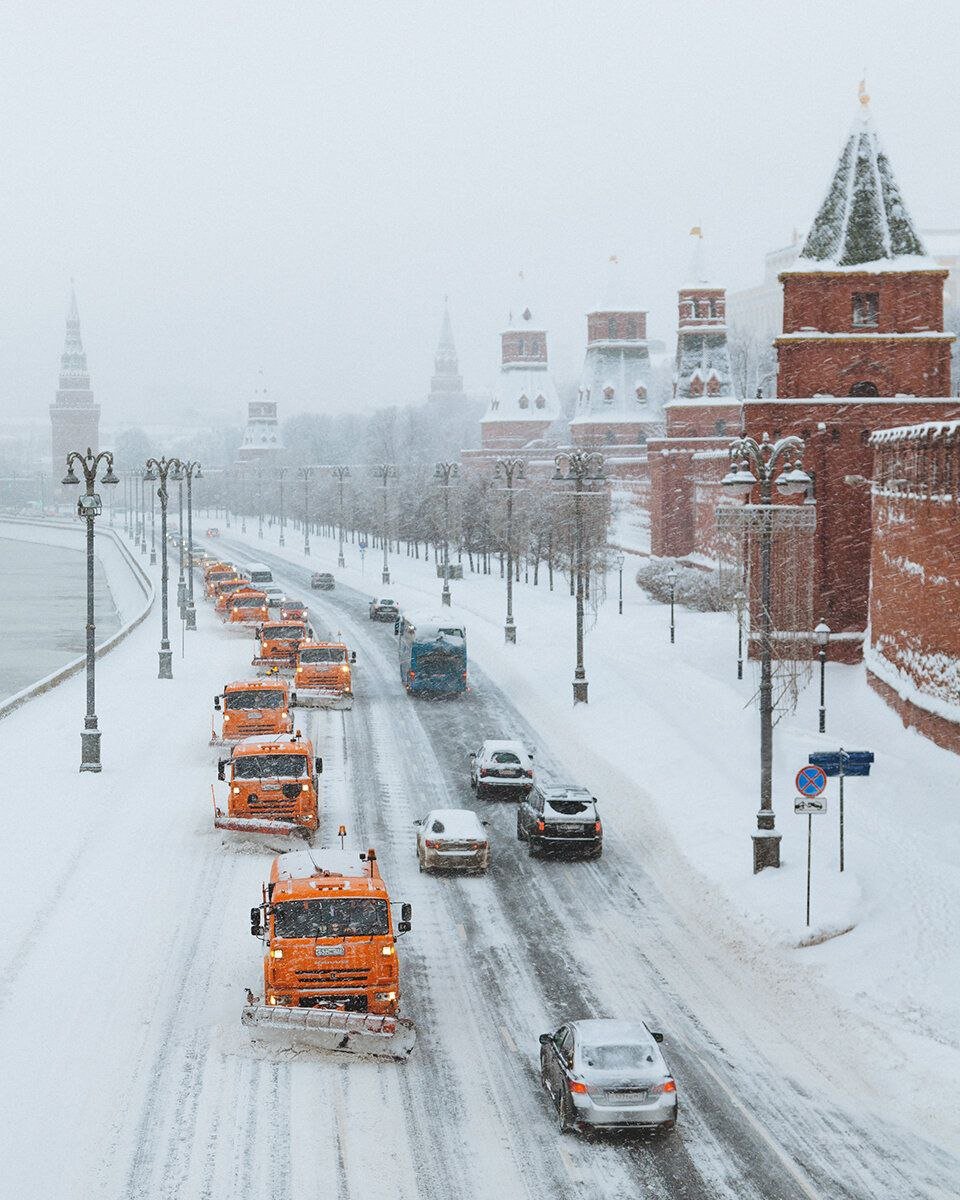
{"x": 260, "y": 501}
{"x": 672, "y": 580}
{"x": 342, "y": 472}
{"x": 153, "y": 521}
{"x": 243, "y": 500}
{"x": 143, "y": 509}
{"x": 304, "y": 473}
{"x": 181, "y": 581}
{"x": 89, "y": 507}
{"x": 281, "y": 471}
{"x": 822, "y": 634}
{"x": 385, "y": 472}
{"x": 444, "y": 473}
{"x": 191, "y": 471}
{"x": 581, "y": 465}
{"x": 618, "y": 561}
{"x": 740, "y": 601}
{"x": 751, "y": 463}
{"x": 162, "y": 469}
{"x": 509, "y": 468}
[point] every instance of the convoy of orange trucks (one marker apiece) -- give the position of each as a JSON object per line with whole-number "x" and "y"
{"x": 322, "y": 677}
{"x": 331, "y": 979}
{"x": 272, "y": 786}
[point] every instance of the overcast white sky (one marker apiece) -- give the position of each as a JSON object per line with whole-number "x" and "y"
{"x": 293, "y": 185}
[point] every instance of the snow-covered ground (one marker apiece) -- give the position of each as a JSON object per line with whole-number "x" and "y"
{"x": 126, "y": 1073}
{"x": 669, "y": 741}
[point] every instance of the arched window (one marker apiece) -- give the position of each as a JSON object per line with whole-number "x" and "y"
{"x": 521, "y": 347}
{"x": 608, "y": 394}
{"x": 535, "y": 348}
{"x": 641, "y": 393}
{"x": 864, "y": 388}
{"x": 524, "y": 402}
{"x": 720, "y": 427}
{"x": 632, "y": 328}
{"x": 541, "y": 401}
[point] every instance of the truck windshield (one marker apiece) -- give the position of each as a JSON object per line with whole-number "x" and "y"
{"x": 248, "y": 601}
{"x": 281, "y": 633}
{"x": 324, "y": 654}
{"x": 331, "y": 918}
{"x": 253, "y": 699}
{"x": 270, "y": 766}
{"x": 437, "y": 660}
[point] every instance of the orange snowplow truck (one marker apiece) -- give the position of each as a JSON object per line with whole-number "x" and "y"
{"x": 216, "y": 573}
{"x": 224, "y": 589}
{"x": 278, "y": 644}
{"x": 272, "y": 786}
{"x": 246, "y": 606}
{"x": 256, "y": 706}
{"x": 322, "y": 676}
{"x": 330, "y": 973}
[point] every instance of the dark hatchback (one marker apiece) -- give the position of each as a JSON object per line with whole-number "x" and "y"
{"x": 560, "y": 818}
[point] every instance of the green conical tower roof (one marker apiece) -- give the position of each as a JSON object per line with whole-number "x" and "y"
{"x": 863, "y": 218}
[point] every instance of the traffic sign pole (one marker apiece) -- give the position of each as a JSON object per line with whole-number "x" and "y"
{"x": 809, "y": 859}
{"x": 841, "y": 808}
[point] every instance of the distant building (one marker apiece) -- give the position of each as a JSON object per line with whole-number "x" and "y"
{"x": 74, "y": 416}
{"x": 525, "y": 406}
{"x": 446, "y": 386}
{"x": 261, "y": 437}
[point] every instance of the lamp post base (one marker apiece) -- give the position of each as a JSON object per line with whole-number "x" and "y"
{"x": 341, "y": 562}
{"x": 143, "y": 547}
{"x": 90, "y": 750}
{"x": 445, "y": 597}
{"x": 166, "y": 664}
{"x": 510, "y": 632}
{"x": 282, "y": 540}
{"x": 191, "y": 616}
{"x": 181, "y": 594}
{"x": 580, "y": 691}
{"x": 385, "y": 576}
{"x": 766, "y": 850}
{"x": 153, "y": 558}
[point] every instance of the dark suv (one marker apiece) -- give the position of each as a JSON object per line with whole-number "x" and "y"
{"x": 560, "y": 817}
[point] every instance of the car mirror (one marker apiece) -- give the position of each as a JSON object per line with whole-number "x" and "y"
{"x": 418, "y": 821}
{"x": 220, "y": 766}
{"x": 657, "y": 1037}
{"x": 216, "y": 703}
{"x": 318, "y": 763}
{"x": 473, "y": 756}
{"x": 406, "y": 914}
{"x": 484, "y": 823}
{"x": 396, "y": 628}
{"x": 353, "y": 656}
{"x": 403, "y": 927}
{"x": 545, "y": 1038}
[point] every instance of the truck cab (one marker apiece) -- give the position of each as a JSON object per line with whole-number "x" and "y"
{"x": 273, "y": 785}
{"x": 322, "y": 674}
{"x": 278, "y": 644}
{"x": 223, "y": 589}
{"x": 255, "y": 706}
{"x": 327, "y": 930}
{"x": 247, "y": 606}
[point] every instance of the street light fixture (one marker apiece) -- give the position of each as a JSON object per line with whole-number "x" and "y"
{"x": 385, "y": 472}
{"x": 446, "y": 471}
{"x": 740, "y": 600}
{"x": 304, "y": 473}
{"x": 822, "y": 634}
{"x": 510, "y": 468}
{"x": 142, "y": 476}
{"x": 191, "y": 471}
{"x": 672, "y": 580}
{"x": 342, "y": 472}
{"x": 89, "y": 507}
{"x": 162, "y": 469}
{"x": 581, "y": 466}
{"x": 753, "y": 462}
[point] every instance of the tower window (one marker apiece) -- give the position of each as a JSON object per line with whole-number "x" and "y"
{"x": 524, "y": 402}
{"x": 713, "y": 309}
{"x": 521, "y": 347}
{"x": 611, "y": 327}
{"x": 641, "y": 392}
{"x": 535, "y": 348}
{"x": 864, "y": 388}
{"x": 632, "y": 328}
{"x": 866, "y": 308}
{"x": 608, "y": 394}
{"x": 541, "y": 401}
{"x": 720, "y": 426}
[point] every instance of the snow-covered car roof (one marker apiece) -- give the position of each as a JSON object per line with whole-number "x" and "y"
{"x": 565, "y": 791}
{"x": 492, "y": 745}
{"x": 456, "y": 822}
{"x": 607, "y": 1031}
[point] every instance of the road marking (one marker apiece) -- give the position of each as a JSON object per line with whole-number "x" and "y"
{"x": 462, "y": 932}
{"x": 505, "y": 1034}
{"x": 568, "y": 1164}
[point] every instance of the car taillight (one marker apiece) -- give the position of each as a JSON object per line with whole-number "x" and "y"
{"x": 580, "y": 1088}
{"x": 597, "y": 827}
{"x": 540, "y": 827}
{"x": 661, "y": 1089}
{"x": 411, "y": 674}
{"x": 484, "y": 771}
{"x": 529, "y": 774}
{"x": 432, "y": 844}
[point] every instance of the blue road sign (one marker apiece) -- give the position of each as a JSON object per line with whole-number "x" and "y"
{"x": 843, "y": 762}
{"x": 811, "y": 781}
{"x": 362, "y": 545}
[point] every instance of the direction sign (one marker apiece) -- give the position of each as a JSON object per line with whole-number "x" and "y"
{"x": 811, "y": 781}
{"x": 809, "y": 805}
{"x": 843, "y": 762}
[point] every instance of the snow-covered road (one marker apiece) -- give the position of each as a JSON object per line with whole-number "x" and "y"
{"x": 126, "y": 1073}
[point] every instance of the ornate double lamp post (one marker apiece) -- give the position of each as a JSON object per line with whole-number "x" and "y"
{"x": 509, "y": 468}
{"x": 582, "y": 466}
{"x": 161, "y": 470}
{"x": 767, "y": 464}
{"x": 385, "y": 472}
{"x": 89, "y": 507}
{"x": 191, "y": 471}
{"x": 444, "y": 473}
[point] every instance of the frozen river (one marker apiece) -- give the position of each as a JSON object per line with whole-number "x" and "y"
{"x": 43, "y": 610}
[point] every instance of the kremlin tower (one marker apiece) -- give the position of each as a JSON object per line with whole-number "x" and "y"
{"x": 74, "y": 417}
{"x": 525, "y": 403}
{"x": 446, "y": 386}
{"x": 261, "y": 437}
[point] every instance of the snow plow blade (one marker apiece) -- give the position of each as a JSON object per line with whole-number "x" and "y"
{"x": 330, "y": 1029}
{"x": 260, "y": 825}
{"x": 273, "y": 666}
{"x": 320, "y": 698}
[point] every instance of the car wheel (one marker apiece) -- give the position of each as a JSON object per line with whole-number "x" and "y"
{"x": 564, "y": 1116}
{"x": 596, "y": 853}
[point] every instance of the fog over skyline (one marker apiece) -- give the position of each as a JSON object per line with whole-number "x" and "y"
{"x": 294, "y": 189}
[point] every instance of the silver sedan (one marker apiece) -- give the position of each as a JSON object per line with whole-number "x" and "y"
{"x": 606, "y": 1074}
{"x": 452, "y": 839}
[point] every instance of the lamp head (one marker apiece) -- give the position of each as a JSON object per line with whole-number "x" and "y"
{"x": 70, "y": 476}
{"x": 822, "y": 634}
{"x": 151, "y": 475}
{"x": 739, "y": 481}
{"x": 793, "y": 482}
{"x": 110, "y": 478}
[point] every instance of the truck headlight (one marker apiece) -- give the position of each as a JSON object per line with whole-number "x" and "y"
{"x": 387, "y": 996}
{"x": 387, "y": 951}
{"x": 276, "y": 954}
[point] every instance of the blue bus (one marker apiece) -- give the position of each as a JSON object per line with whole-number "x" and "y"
{"x": 433, "y": 655}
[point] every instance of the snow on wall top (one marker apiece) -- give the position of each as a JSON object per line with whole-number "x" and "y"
{"x": 908, "y": 433}
{"x": 863, "y": 219}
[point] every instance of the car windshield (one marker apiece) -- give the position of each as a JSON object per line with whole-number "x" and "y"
{"x": 331, "y": 918}
{"x": 388, "y": 603}
{"x": 247, "y": 601}
{"x": 616, "y": 1058}
{"x": 254, "y": 699}
{"x": 281, "y": 633}
{"x": 270, "y": 766}
{"x": 323, "y": 654}
{"x": 568, "y": 808}
{"x": 505, "y": 756}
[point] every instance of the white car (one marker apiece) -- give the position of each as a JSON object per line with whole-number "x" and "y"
{"x": 501, "y": 766}
{"x": 452, "y": 839}
{"x": 275, "y": 595}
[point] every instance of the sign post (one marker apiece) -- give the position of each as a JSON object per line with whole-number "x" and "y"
{"x": 809, "y": 805}
{"x": 843, "y": 763}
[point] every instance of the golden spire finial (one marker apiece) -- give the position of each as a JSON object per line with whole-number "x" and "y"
{"x": 863, "y": 94}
